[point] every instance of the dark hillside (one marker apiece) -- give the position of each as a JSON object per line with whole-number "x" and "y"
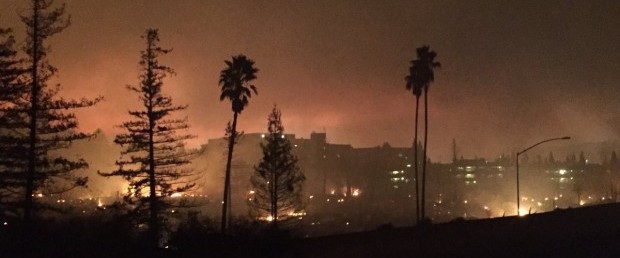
{"x": 580, "y": 232}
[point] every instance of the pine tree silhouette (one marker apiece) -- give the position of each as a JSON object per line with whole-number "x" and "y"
{"x": 38, "y": 122}
{"x": 277, "y": 181}
{"x": 154, "y": 158}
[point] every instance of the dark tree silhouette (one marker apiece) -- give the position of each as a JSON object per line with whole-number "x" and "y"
{"x": 153, "y": 159}
{"x": 551, "y": 159}
{"x": 582, "y": 159}
{"x": 613, "y": 161}
{"x": 578, "y": 189}
{"x": 235, "y": 81}
{"x": 421, "y": 75}
{"x": 414, "y": 84}
{"x": 10, "y": 69}
{"x": 277, "y": 181}
{"x": 11, "y": 89}
{"x": 454, "y": 158}
{"x": 571, "y": 159}
{"x": 42, "y": 122}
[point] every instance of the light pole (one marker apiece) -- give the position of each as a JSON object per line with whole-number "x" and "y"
{"x": 523, "y": 151}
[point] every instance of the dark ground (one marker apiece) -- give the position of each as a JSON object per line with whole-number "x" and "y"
{"x": 579, "y": 232}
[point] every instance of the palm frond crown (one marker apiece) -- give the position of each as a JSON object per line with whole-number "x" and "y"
{"x": 235, "y": 81}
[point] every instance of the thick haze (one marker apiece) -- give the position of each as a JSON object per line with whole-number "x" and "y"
{"x": 513, "y": 72}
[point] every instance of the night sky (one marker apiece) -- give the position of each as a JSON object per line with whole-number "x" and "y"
{"x": 513, "y": 72}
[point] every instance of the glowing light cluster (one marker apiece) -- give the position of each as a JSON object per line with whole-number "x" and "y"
{"x": 297, "y": 214}
{"x": 176, "y": 195}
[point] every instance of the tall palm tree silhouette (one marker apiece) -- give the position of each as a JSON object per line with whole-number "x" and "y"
{"x": 422, "y": 73}
{"x": 235, "y": 81}
{"x": 413, "y": 84}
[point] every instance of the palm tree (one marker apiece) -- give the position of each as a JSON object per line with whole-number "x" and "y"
{"x": 235, "y": 81}
{"x": 416, "y": 88}
{"x": 422, "y": 74}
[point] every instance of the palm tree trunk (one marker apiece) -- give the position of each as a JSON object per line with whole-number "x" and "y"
{"x": 415, "y": 162}
{"x": 423, "y": 204}
{"x": 226, "y": 199}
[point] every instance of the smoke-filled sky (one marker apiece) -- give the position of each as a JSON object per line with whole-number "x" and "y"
{"x": 513, "y": 72}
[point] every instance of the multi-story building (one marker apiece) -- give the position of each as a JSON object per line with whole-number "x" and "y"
{"x": 376, "y": 185}
{"x": 334, "y": 172}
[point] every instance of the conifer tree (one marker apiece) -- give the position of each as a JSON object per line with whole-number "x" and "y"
{"x": 582, "y": 159}
{"x": 153, "y": 159}
{"x": 10, "y": 69}
{"x": 37, "y": 121}
{"x": 11, "y": 89}
{"x": 551, "y": 159}
{"x": 277, "y": 181}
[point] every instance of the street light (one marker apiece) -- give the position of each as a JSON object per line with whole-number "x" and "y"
{"x": 523, "y": 151}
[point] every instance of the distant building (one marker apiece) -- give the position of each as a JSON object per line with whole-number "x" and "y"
{"x": 381, "y": 174}
{"x": 377, "y": 184}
